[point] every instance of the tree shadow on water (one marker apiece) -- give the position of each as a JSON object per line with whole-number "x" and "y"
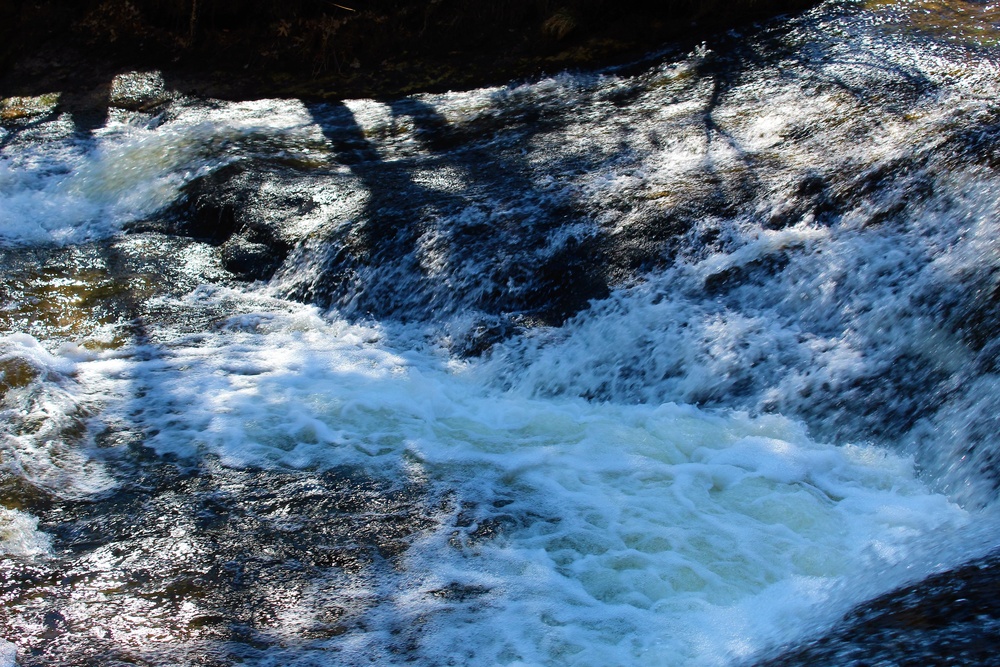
{"x": 183, "y": 559}
{"x": 224, "y": 563}
{"x": 451, "y": 226}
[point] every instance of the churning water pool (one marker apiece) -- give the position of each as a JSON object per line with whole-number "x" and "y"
{"x": 672, "y": 366}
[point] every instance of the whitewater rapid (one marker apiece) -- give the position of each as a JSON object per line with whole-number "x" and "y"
{"x": 575, "y": 532}
{"x": 751, "y": 385}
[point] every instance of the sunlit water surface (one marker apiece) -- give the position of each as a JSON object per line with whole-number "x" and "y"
{"x": 667, "y": 367}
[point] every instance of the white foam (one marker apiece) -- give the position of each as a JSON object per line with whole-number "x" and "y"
{"x": 19, "y": 536}
{"x": 68, "y": 190}
{"x": 44, "y": 439}
{"x": 8, "y": 654}
{"x": 632, "y": 534}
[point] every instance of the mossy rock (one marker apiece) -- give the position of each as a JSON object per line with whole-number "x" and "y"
{"x": 18, "y": 108}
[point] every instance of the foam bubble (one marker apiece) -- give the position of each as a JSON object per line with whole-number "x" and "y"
{"x": 44, "y": 436}
{"x": 580, "y": 533}
{"x": 19, "y": 536}
{"x": 69, "y": 190}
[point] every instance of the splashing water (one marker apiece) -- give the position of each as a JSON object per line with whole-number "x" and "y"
{"x": 671, "y": 367}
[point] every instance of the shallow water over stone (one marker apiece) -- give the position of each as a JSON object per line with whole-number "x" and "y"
{"x": 688, "y": 363}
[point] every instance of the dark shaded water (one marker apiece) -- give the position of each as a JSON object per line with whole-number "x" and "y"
{"x": 693, "y": 363}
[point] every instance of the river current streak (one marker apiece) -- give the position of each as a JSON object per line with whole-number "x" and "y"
{"x": 684, "y": 365}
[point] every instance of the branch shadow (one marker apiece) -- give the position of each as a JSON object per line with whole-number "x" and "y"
{"x": 461, "y": 226}
{"x": 453, "y": 227}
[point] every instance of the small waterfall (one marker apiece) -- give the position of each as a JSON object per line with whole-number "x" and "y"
{"x": 684, "y": 363}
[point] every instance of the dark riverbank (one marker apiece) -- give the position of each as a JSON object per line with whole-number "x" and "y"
{"x": 335, "y": 50}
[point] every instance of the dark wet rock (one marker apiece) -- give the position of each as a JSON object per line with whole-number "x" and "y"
{"x": 972, "y": 311}
{"x": 952, "y": 618}
{"x": 885, "y": 190}
{"x": 568, "y": 279}
{"x": 249, "y": 260}
{"x": 737, "y": 276}
{"x": 14, "y": 109}
{"x": 812, "y": 196}
{"x": 505, "y": 275}
{"x": 223, "y": 208}
{"x": 497, "y": 249}
{"x": 482, "y": 335}
{"x": 978, "y": 145}
{"x": 653, "y": 238}
{"x": 138, "y": 91}
{"x": 209, "y": 204}
{"x": 459, "y": 592}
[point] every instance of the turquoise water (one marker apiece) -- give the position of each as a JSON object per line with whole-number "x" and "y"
{"x": 674, "y": 367}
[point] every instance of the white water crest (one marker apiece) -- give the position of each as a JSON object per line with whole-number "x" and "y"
{"x": 782, "y": 405}
{"x": 43, "y": 436}
{"x": 570, "y": 532}
{"x": 59, "y": 187}
{"x": 19, "y": 536}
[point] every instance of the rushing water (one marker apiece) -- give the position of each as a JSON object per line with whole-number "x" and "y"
{"x": 678, "y": 365}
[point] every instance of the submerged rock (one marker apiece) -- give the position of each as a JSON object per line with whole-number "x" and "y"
{"x": 249, "y": 260}
{"x": 217, "y": 564}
